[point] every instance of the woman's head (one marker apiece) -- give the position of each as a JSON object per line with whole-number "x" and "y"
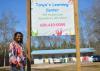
{"x": 18, "y": 37}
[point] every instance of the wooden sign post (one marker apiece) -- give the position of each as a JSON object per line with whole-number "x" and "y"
{"x": 77, "y": 34}
{"x": 28, "y": 42}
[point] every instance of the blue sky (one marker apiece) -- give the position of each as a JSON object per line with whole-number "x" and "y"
{"x": 18, "y": 8}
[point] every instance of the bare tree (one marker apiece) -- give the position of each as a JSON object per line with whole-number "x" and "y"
{"x": 7, "y": 28}
{"x": 92, "y": 18}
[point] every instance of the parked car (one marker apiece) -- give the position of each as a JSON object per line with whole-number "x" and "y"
{"x": 96, "y": 58}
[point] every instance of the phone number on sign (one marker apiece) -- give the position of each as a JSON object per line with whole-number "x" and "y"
{"x": 52, "y": 25}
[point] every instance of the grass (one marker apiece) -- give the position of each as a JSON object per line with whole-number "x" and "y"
{"x": 4, "y": 69}
{"x": 63, "y": 67}
{"x": 84, "y": 67}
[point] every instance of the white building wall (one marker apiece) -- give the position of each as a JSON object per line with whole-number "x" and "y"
{"x": 38, "y": 61}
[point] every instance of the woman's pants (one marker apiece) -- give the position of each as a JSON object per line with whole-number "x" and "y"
{"x": 14, "y": 68}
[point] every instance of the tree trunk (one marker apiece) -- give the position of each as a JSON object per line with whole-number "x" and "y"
{"x": 4, "y": 57}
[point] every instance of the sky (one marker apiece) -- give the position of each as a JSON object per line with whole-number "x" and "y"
{"x": 18, "y": 8}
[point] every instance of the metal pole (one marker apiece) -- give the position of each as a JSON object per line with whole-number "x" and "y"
{"x": 77, "y": 34}
{"x": 28, "y": 42}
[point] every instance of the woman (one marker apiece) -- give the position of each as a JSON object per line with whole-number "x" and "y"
{"x": 17, "y": 58}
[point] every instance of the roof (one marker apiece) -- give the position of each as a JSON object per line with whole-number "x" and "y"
{"x": 62, "y": 51}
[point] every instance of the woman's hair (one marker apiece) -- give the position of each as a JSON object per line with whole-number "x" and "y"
{"x": 15, "y": 34}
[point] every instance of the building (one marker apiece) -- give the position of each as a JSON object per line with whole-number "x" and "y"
{"x": 58, "y": 55}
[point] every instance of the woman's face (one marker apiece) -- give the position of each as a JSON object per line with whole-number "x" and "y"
{"x": 18, "y": 38}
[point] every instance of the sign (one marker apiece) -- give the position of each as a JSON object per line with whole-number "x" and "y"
{"x": 52, "y": 17}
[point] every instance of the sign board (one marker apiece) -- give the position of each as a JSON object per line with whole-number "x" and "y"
{"x": 52, "y": 17}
